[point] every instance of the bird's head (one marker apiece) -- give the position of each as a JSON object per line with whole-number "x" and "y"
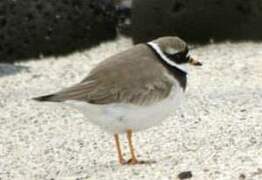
{"x": 176, "y": 49}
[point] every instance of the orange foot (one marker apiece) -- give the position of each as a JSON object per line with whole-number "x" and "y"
{"x": 122, "y": 161}
{"x": 132, "y": 161}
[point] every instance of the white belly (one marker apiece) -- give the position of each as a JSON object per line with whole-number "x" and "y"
{"x": 117, "y": 118}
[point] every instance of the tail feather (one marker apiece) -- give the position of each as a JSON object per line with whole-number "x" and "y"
{"x": 50, "y": 97}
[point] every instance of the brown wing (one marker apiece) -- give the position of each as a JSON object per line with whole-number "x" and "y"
{"x": 137, "y": 81}
{"x": 97, "y": 93}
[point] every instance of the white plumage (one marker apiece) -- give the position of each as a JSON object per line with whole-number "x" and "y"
{"x": 118, "y": 117}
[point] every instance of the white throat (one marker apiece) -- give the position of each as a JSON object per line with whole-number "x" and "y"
{"x": 163, "y": 57}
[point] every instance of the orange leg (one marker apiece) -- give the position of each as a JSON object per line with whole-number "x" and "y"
{"x": 133, "y": 159}
{"x": 119, "y": 153}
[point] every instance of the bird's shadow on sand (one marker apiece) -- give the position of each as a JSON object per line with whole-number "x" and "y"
{"x": 113, "y": 166}
{"x": 12, "y": 69}
{"x": 141, "y": 162}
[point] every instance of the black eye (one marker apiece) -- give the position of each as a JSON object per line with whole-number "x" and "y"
{"x": 176, "y": 56}
{"x": 180, "y": 57}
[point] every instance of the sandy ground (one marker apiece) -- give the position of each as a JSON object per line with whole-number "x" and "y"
{"x": 216, "y": 134}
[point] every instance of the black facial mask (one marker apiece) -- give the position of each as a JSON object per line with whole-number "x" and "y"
{"x": 180, "y": 57}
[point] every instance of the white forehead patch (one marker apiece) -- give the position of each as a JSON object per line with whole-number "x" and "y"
{"x": 170, "y": 50}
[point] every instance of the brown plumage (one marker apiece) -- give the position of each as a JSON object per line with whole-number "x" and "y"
{"x": 134, "y": 76}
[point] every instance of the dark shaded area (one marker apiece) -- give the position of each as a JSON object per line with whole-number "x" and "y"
{"x": 123, "y": 11}
{"x": 197, "y": 21}
{"x": 30, "y": 28}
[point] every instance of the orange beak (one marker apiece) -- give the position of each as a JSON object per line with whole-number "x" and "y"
{"x": 194, "y": 62}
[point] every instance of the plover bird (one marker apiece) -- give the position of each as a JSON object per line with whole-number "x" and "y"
{"x": 133, "y": 90}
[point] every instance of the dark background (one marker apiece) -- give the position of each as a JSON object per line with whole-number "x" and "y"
{"x": 197, "y": 21}
{"x": 31, "y": 28}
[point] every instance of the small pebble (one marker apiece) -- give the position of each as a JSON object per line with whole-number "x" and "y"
{"x": 185, "y": 175}
{"x": 242, "y": 177}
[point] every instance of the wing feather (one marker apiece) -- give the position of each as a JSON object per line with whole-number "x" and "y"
{"x": 121, "y": 79}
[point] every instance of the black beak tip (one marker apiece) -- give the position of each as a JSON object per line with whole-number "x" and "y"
{"x": 198, "y": 64}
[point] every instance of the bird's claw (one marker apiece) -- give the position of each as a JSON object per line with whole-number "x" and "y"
{"x": 132, "y": 161}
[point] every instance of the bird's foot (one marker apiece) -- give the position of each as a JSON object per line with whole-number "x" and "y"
{"x": 122, "y": 161}
{"x": 132, "y": 161}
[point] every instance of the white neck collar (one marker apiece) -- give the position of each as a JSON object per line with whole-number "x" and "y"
{"x": 163, "y": 57}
